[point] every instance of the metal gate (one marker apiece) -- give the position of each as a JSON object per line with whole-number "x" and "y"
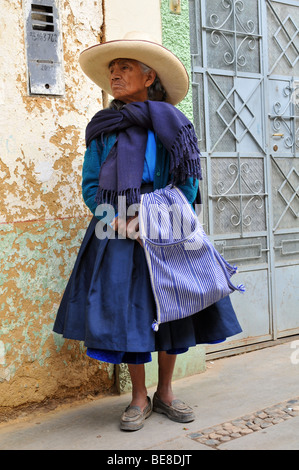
{"x": 245, "y": 77}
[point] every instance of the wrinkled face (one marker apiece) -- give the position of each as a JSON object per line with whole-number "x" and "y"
{"x": 128, "y": 81}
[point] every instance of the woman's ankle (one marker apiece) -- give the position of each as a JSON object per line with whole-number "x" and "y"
{"x": 165, "y": 394}
{"x": 140, "y": 399}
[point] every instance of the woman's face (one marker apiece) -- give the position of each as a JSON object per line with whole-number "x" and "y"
{"x": 128, "y": 82}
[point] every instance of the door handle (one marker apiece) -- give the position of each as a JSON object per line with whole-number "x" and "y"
{"x": 277, "y": 135}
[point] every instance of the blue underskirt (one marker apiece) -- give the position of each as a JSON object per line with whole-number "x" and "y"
{"x": 118, "y": 357}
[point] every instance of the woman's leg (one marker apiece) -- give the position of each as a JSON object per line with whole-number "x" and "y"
{"x": 166, "y": 367}
{"x": 166, "y": 364}
{"x": 139, "y": 390}
{"x": 133, "y": 418}
{"x": 163, "y": 401}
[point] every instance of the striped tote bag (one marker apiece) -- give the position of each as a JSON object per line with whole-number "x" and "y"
{"x": 187, "y": 273}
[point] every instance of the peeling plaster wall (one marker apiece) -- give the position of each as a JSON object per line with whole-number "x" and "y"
{"x": 42, "y": 214}
{"x": 42, "y": 138}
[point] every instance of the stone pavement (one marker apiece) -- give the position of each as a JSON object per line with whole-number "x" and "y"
{"x": 248, "y": 424}
{"x": 244, "y": 402}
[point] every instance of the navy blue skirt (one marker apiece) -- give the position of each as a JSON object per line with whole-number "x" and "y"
{"x": 109, "y": 305}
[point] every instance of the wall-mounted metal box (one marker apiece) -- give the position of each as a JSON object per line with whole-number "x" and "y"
{"x": 44, "y": 48}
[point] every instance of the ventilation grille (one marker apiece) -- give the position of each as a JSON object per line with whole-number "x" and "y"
{"x": 42, "y": 17}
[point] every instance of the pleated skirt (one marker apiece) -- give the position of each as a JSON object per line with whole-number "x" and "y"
{"x": 108, "y": 304}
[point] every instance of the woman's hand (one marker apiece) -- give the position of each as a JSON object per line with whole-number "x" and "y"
{"x": 128, "y": 228}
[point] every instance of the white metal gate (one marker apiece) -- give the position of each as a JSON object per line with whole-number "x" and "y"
{"x": 245, "y": 76}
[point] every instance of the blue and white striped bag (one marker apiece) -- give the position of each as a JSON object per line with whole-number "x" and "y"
{"x": 187, "y": 273}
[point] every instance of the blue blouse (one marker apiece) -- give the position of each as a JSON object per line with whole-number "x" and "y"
{"x": 150, "y": 159}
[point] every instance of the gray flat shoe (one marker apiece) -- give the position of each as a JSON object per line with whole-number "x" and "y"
{"x": 133, "y": 418}
{"x": 178, "y": 410}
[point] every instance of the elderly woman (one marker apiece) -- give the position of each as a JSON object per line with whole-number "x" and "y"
{"x": 140, "y": 144}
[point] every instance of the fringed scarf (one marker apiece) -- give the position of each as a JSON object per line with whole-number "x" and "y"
{"x": 121, "y": 173}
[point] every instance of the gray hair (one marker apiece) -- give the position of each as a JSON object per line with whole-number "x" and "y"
{"x": 156, "y": 91}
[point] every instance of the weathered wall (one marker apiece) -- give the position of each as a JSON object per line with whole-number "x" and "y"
{"x": 42, "y": 215}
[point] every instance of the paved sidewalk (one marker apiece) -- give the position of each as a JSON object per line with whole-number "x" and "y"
{"x": 244, "y": 402}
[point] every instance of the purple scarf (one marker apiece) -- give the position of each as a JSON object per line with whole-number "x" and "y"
{"x": 121, "y": 173}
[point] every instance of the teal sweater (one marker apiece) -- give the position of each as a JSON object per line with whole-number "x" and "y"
{"x": 97, "y": 153}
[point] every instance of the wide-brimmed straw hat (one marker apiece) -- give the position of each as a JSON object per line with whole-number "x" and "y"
{"x": 138, "y": 46}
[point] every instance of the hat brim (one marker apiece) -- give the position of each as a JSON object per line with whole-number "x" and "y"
{"x": 95, "y": 61}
